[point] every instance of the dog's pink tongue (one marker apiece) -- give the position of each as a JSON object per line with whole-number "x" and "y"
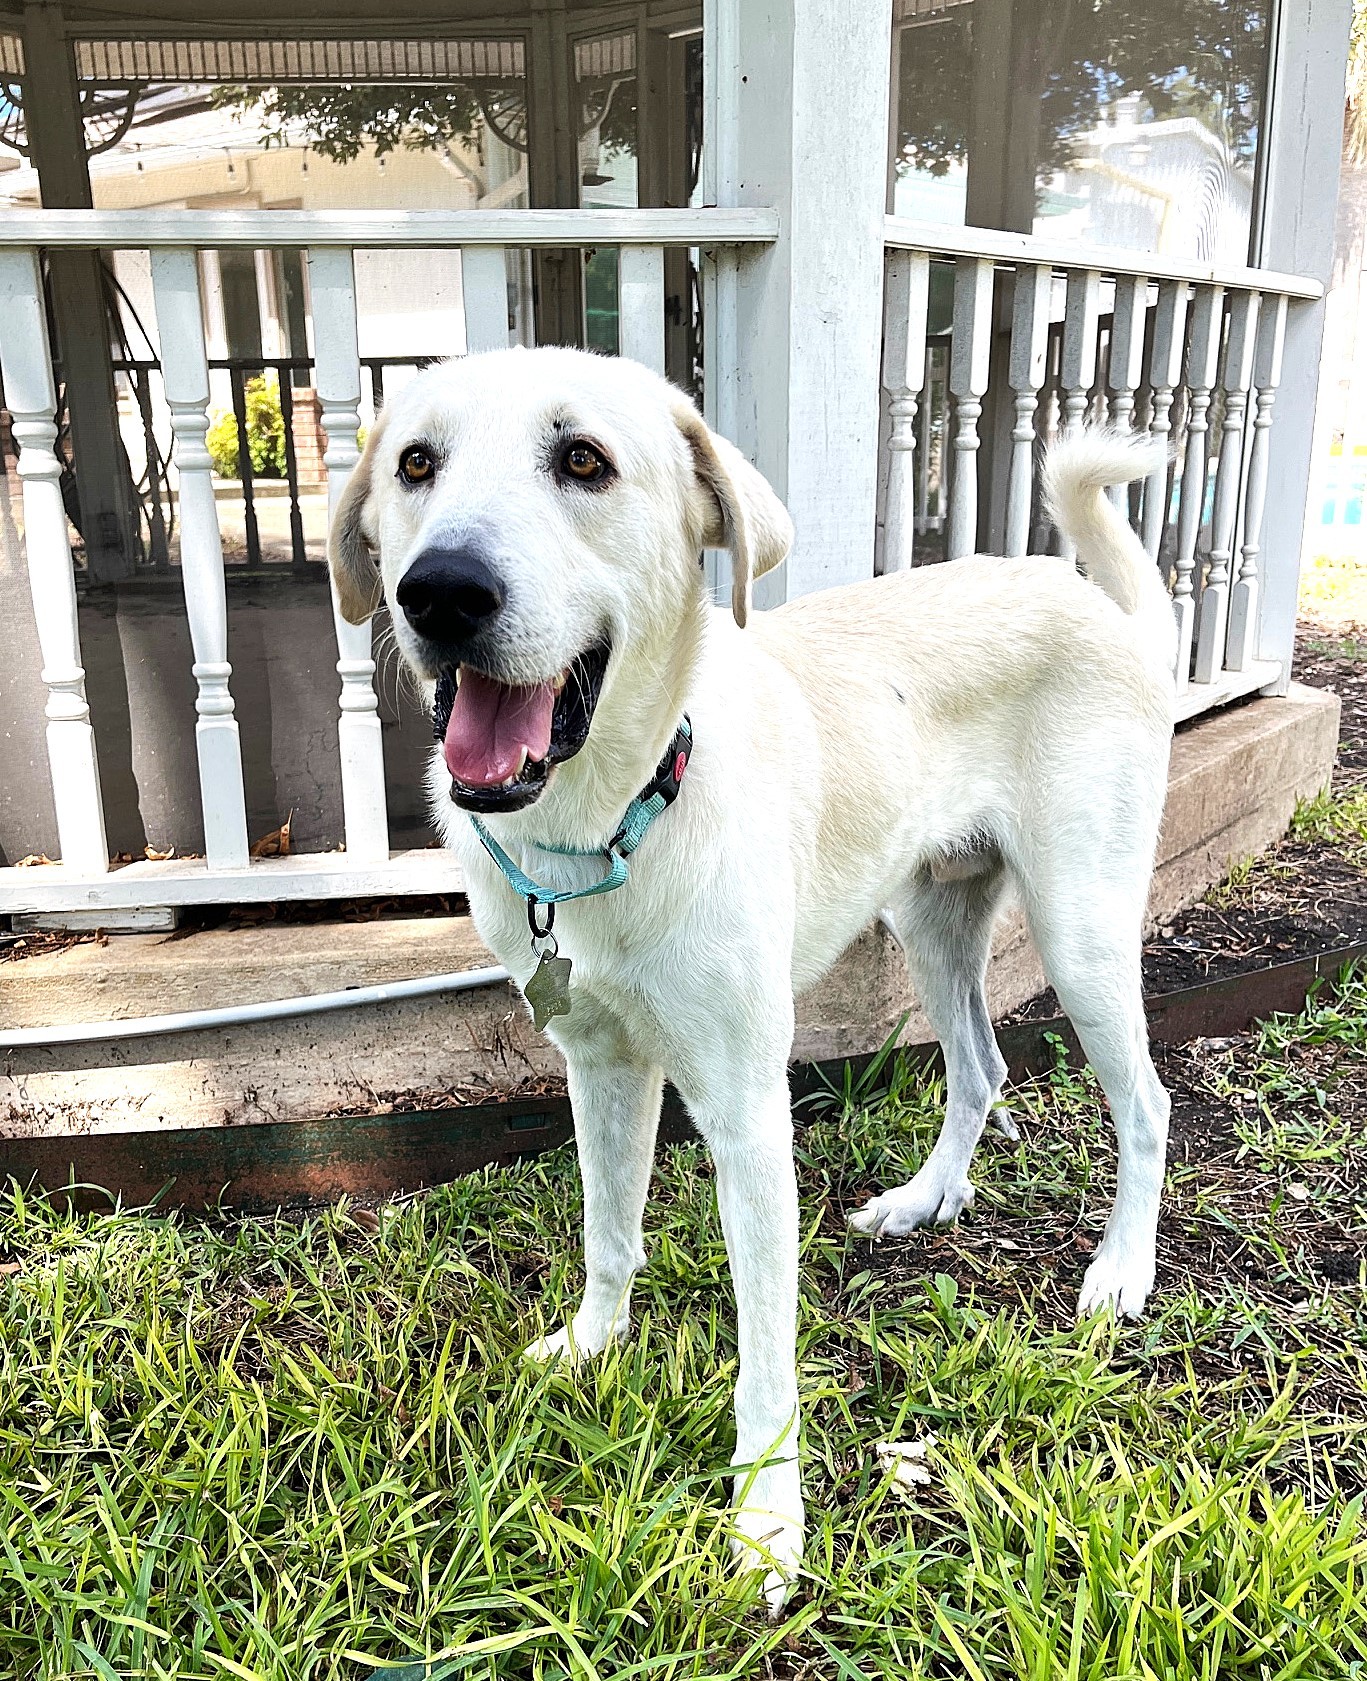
{"x": 490, "y": 725}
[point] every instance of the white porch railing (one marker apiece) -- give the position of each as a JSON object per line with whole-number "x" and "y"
{"x": 83, "y": 879}
{"x": 996, "y": 343}
{"x": 993, "y": 344}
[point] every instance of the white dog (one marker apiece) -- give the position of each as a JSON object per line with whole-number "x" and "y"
{"x": 535, "y": 521}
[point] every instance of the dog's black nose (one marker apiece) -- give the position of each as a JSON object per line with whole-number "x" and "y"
{"x": 449, "y": 594}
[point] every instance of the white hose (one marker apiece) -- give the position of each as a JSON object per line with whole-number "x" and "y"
{"x": 235, "y": 1015}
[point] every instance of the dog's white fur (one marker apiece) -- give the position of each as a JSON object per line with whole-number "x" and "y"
{"x": 917, "y": 743}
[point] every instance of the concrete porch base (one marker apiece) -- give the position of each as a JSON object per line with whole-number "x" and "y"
{"x": 1234, "y": 782}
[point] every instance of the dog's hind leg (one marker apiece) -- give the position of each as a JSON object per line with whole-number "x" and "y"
{"x": 1089, "y": 936}
{"x": 945, "y": 926}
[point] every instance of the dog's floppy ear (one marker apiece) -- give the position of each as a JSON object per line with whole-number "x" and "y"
{"x": 745, "y": 516}
{"x": 351, "y": 545}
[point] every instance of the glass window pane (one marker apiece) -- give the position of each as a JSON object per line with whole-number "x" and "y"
{"x": 1130, "y": 123}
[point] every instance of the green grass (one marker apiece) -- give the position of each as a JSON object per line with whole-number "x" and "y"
{"x": 1339, "y": 818}
{"x": 299, "y": 1447}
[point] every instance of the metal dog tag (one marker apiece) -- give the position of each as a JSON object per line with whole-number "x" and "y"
{"x": 548, "y": 991}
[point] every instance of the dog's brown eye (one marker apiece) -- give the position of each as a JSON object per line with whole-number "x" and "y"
{"x": 583, "y": 462}
{"x": 416, "y": 466}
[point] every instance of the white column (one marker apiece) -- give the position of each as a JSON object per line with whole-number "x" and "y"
{"x": 809, "y": 309}
{"x": 26, "y": 368}
{"x": 337, "y": 379}
{"x": 970, "y": 356}
{"x": 641, "y": 304}
{"x": 185, "y": 372}
{"x": 1207, "y": 317}
{"x": 1303, "y": 143}
{"x": 1213, "y": 615}
{"x": 1267, "y": 373}
{"x": 1029, "y": 347}
{"x": 484, "y": 283}
{"x": 904, "y": 374}
{"x": 1165, "y": 370}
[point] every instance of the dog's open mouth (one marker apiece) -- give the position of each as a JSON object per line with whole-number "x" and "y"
{"x": 501, "y": 739}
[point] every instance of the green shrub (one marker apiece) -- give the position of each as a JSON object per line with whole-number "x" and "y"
{"x": 265, "y": 433}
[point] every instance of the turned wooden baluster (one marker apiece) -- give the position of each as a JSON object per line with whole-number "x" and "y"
{"x": 26, "y": 368}
{"x": 1267, "y": 373}
{"x": 641, "y": 304}
{"x": 1125, "y": 364}
{"x": 185, "y": 373}
{"x": 970, "y": 355}
{"x": 904, "y": 377}
{"x": 1029, "y": 350}
{"x": 1165, "y": 371}
{"x": 484, "y": 283}
{"x": 1077, "y": 367}
{"x": 1212, "y": 617}
{"x": 337, "y": 377}
{"x": 1203, "y": 357}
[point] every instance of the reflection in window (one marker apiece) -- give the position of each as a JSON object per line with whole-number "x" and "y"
{"x": 1128, "y": 123}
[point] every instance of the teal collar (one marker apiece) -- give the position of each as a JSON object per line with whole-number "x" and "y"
{"x": 655, "y": 797}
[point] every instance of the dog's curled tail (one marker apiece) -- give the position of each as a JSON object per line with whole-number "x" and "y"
{"x": 1077, "y": 474}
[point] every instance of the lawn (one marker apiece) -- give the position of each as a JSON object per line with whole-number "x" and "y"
{"x": 302, "y": 1447}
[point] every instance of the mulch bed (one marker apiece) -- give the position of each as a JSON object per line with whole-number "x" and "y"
{"x": 1302, "y": 895}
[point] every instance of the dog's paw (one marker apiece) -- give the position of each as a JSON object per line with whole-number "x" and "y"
{"x": 931, "y": 1198}
{"x": 573, "y": 1343}
{"x": 766, "y": 1537}
{"x": 1116, "y": 1281}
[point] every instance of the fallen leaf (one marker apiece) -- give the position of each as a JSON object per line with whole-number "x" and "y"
{"x": 1301, "y": 1193}
{"x": 159, "y": 857}
{"x": 365, "y": 1219}
{"x": 277, "y": 843}
{"x": 32, "y": 859}
{"x": 11, "y": 1266}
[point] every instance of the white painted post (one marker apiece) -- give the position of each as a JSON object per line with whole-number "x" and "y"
{"x": 807, "y": 311}
{"x": 1267, "y": 373}
{"x": 641, "y": 304}
{"x": 907, "y": 300}
{"x": 26, "y": 368}
{"x": 185, "y": 373}
{"x": 1207, "y": 317}
{"x": 1029, "y": 349}
{"x": 1213, "y": 617}
{"x": 1302, "y": 141}
{"x": 1165, "y": 370}
{"x": 484, "y": 283}
{"x": 337, "y": 379}
{"x": 1125, "y": 366}
{"x": 969, "y": 359}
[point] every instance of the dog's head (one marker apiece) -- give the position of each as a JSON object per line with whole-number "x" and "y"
{"x": 534, "y": 520}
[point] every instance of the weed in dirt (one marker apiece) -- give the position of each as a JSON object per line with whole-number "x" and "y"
{"x": 295, "y": 1448}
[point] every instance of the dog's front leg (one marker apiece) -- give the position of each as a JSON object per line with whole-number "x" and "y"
{"x": 616, "y": 1115}
{"x": 750, "y": 1137}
